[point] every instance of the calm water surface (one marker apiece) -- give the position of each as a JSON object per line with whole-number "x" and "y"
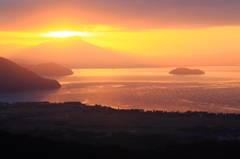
{"x": 146, "y": 88}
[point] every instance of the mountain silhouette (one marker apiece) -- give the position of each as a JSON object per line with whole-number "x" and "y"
{"x": 48, "y": 69}
{"x": 73, "y": 52}
{"x": 16, "y": 78}
{"x": 21, "y": 61}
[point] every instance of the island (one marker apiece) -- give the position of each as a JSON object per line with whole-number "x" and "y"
{"x": 186, "y": 71}
{"x": 48, "y": 69}
{"x": 16, "y": 78}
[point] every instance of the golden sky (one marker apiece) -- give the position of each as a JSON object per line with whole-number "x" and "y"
{"x": 173, "y": 32}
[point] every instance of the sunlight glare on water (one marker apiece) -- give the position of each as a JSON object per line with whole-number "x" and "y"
{"x": 146, "y": 88}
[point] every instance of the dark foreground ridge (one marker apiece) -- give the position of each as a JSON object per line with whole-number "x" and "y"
{"x": 76, "y": 130}
{"x": 129, "y": 128}
{"x": 186, "y": 71}
{"x": 23, "y": 146}
{"x": 16, "y": 78}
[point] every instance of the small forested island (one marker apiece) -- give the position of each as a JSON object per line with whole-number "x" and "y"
{"x": 186, "y": 71}
{"x": 16, "y": 78}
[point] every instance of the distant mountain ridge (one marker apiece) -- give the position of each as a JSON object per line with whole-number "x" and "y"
{"x": 16, "y": 78}
{"x": 73, "y": 52}
{"x": 48, "y": 69}
{"x": 21, "y": 61}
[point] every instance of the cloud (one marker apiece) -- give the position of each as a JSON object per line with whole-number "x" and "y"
{"x": 128, "y": 14}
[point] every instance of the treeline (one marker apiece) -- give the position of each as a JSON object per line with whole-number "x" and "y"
{"x": 108, "y": 110}
{"x": 19, "y": 146}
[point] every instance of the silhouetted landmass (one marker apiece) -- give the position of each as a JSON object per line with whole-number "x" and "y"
{"x": 16, "y": 78}
{"x": 21, "y": 61}
{"x": 129, "y": 128}
{"x": 76, "y": 130}
{"x": 48, "y": 69}
{"x": 25, "y": 146}
{"x": 73, "y": 52}
{"x": 44, "y": 69}
{"x": 186, "y": 71}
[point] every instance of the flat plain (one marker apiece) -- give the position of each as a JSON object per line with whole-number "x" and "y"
{"x": 90, "y": 119}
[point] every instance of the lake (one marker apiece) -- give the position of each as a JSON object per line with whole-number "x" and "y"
{"x": 145, "y": 88}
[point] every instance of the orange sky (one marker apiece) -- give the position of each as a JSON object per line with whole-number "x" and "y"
{"x": 164, "y": 32}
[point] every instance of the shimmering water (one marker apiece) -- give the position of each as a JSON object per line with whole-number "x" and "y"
{"x": 146, "y": 88}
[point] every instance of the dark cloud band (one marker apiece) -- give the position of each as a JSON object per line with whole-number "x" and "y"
{"x": 132, "y": 14}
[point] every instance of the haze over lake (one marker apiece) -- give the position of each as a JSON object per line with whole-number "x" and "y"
{"x": 145, "y": 88}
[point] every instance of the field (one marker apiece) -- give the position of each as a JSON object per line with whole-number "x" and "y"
{"x": 62, "y": 118}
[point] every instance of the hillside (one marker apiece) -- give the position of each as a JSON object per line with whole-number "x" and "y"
{"x": 16, "y": 78}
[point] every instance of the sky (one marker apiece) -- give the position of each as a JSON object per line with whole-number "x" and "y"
{"x": 170, "y": 32}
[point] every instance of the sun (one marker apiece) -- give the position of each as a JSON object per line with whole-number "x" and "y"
{"x": 64, "y": 34}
